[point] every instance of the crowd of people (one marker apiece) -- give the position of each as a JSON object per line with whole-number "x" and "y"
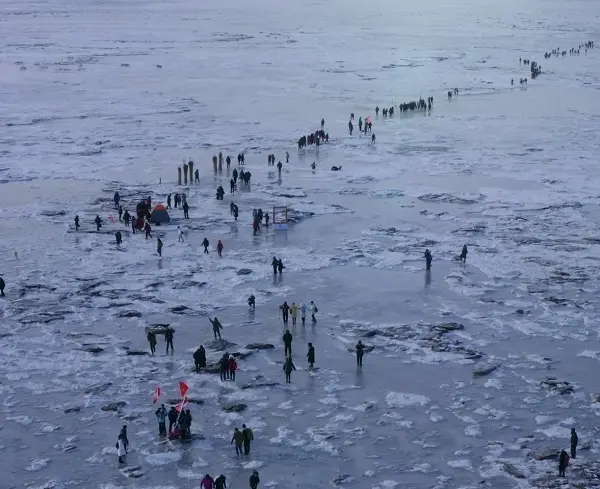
{"x": 180, "y": 423}
{"x": 315, "y": 138}
{"x": 572, "y": 52}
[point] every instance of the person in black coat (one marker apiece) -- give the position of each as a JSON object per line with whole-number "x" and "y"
{"x": 169, "y": 339}
{"x": 311, "y": 355}
{"x": 200, "y": 358}
{"x": 254, "y": 480}
{"x": 563, "y": 462}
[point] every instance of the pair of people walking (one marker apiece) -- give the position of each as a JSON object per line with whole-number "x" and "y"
{"x": 242, "y": 440}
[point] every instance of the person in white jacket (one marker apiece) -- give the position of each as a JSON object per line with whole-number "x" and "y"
{"x": 313, "y": 310}
{"x": 179, "y": 234}
{"x": 121, "y": 450}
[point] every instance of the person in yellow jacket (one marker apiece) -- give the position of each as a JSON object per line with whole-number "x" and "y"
{"x": 294, "y": 312}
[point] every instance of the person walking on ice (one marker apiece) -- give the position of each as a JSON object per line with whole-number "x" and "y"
{"x": 294, "y": 313}
{"x": 179, "y": 234}
{"x": 169, "y": 339}
{"x": 152, "y": 341}
{"x": 121, "y": 451}
{"x": 313, "y": 310}
{"x": 254, "y": 480}
{"x": 288, "y": 366}
{"x": 311, "y": 355}
{"x": 238, "y": 438}
{"x": 248, "y": 438}
{"x": 287, "y": 342}
{"x": 303, "y": 313}
{"x": 360, "y": 350}
{"x": 463, "y": 254}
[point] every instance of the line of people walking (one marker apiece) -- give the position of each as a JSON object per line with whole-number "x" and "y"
{"x": 221, "y": 482}
{"x": 287, "y": 310}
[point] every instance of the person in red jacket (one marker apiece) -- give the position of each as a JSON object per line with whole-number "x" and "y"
{"x": 220, "y": 248}
{"x": 207, "y": 482}
{"x": 232, "y": 367}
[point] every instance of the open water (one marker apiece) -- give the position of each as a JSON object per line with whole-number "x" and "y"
{"x": 106, "y": 95}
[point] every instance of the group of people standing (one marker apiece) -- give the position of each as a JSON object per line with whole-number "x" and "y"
{"x": 180, "y": 422}
{"x": 257, "y": 218}
{"x": 316, "y": 137}
{"x": 287, "y": 310}
{"x": 221, "y": 482}
{"x": 151, "y": 336}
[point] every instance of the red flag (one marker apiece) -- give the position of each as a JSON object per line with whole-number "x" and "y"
{"x": 179, "y": 406}
{"x": 156, "y": 395}
{"x": 183, "y": 389}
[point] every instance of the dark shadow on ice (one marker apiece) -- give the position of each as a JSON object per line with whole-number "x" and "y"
{"x": 427, "y": 278}
{"x": 160, "y": 263}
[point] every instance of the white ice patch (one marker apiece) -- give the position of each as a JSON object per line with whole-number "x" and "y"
{"x": 590, "y": 354}
{"x": 331, "y": 388}
{"x": 555, "y": 432}
{"x": 543, "y": 419}
{"x": 434, "y": 417}
{"x": 38, "y": 464}
{"x": 330, "y": 400}
{"x": 199, "y": 462}
{"x": 473, "y": 430}
{"x": 110, "y": 485}
{"x": 22, "y": 420}
{"x": 47, "y": 428}
{"x": 163, "y": 458}
{"x": 490, "y": 412}
{"x": 344, "y": 418}
{"x": 401, "y": 399}
{"x": 493, "y": 384}
{"x": 364, "y": 406}
{"x": 461, "y": 464}
{"x": 190, "y": 475}
{"x": 253, "y": 465}
{"x": 387, "y": 484}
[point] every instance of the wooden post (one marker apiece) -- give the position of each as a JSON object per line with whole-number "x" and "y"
{"x": 178, "y": 175}
{"x": 215, "y": 163}
{"x": 191, "y": 167}
{"x": 185, "y": 174}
